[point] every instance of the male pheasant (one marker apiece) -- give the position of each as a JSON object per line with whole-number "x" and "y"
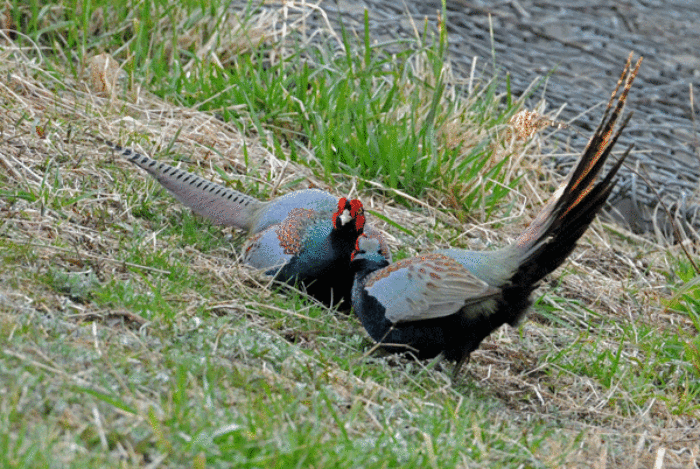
{"x": 304, "y": 237}
{"x": 450, "y": 300}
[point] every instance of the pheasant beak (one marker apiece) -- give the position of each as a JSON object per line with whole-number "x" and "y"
{"x": 345, "y": 217}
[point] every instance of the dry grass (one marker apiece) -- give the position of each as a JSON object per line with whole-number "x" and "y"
{"x": 46, "y": 150}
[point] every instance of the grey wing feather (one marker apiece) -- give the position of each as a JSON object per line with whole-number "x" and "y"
{"x": 418, "y": 289}
{"x": 263, "y": 251}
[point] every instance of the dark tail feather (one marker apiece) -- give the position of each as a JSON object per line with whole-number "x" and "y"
{"x": 553, "y": 234}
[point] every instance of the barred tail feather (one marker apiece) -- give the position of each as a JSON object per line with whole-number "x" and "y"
{"x": 221, "y": 205}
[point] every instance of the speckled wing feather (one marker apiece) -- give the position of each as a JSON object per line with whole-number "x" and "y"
{"x": 278, "y": 244}
{"x": 280, "y": 209}
{"x": 264, "y": 251}
{"x": 426, "y": 287}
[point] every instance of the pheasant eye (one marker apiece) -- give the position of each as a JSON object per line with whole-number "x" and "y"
{"x": 356, "y": 208}
{"x": 357, "y": 212}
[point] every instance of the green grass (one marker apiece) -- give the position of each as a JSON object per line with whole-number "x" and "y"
{"x": 246, "y": 397}
{"x": 131, "y": 335}
{"x": 681, "y": 351}
{"x": 357, "y": 108}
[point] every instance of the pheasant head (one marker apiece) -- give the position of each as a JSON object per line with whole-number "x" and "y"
{"x": 350, "y": 216}
{"x": 369, "y": 253}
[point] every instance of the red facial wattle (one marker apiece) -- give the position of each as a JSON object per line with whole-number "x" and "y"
{"x": 357, "y": 248}
{"x": 342, "y": 205}
{"x": 357, "y": 212}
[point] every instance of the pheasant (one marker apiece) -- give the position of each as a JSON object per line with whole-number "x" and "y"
{"x": 304, "y": 237}
{"x": 447, "y": 302}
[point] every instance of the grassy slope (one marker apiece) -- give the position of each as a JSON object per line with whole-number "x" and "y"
{"x": 131, "y": 336}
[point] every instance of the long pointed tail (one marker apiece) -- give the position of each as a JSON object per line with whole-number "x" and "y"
{"x": 213, "y": 201}
{"x": 553, "y": 234}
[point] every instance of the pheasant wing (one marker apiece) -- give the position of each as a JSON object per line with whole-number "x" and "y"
{"x": 426, "y": 287}
{"x": 264, "y": 251}
{"x": 278, "y": 244}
